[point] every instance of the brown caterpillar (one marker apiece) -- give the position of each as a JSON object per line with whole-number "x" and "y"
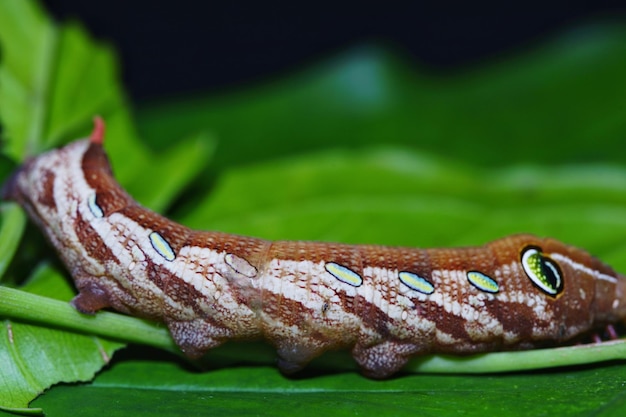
{"x": 385, "y": 303}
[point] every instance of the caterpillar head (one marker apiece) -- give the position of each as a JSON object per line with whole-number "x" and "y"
{"x": 58, "y": 188}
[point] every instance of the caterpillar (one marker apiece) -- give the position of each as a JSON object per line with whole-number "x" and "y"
{"x": 386, "y": 304}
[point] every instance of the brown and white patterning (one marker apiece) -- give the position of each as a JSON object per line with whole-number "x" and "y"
{"x": 385, "y": 303}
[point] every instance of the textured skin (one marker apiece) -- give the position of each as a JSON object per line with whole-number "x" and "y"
{"x": 209, "y": 287}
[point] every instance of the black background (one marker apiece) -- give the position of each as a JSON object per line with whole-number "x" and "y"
{"x": 183, "y": 47}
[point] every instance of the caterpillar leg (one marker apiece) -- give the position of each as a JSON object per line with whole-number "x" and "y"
{"x": 293, "y": 357}
{"x": 294, "y": 353}
{"x": 195, "y": 337}
{"x": 384, "y": 359}
{"x": 91, "y": 298}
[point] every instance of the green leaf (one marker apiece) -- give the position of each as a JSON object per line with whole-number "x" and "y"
{"x": 33, "y": 357}
{"x": 11, "y": 229}
{"x": 36, "y": 357}
{"x": 164, "y": 389}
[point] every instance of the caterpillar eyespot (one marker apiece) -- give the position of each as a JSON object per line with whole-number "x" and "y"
{"x": 542, "y": 271}
{"x": 385, "y": 303}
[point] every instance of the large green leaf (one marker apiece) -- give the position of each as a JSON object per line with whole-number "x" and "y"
{"x": 160, "y": 389}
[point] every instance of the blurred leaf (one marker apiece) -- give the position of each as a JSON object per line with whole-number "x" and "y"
{"x": 12, "y": 224}
{"x": 396, "y": 197}
{"x": 179, "y": 165}
{"x": 563, "y": 101}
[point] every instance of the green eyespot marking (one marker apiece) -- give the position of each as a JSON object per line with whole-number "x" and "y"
{"x": 542, "y": 271}
{"x": 162, "y": 247}
{"x": 344, "y": 274}
{"x": 483, "y": 282}
{"x": 417, "y": 283}
{"x": 94, "y": 207}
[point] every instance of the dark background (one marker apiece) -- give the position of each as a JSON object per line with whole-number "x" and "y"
{"x": 183, "y": 47}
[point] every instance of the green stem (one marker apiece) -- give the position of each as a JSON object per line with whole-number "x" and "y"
{"x": 23, "y": 306}
{"x": 496, "y": 362}
{"x": 23, "y": 411}
{"x": 521, "y": 361}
